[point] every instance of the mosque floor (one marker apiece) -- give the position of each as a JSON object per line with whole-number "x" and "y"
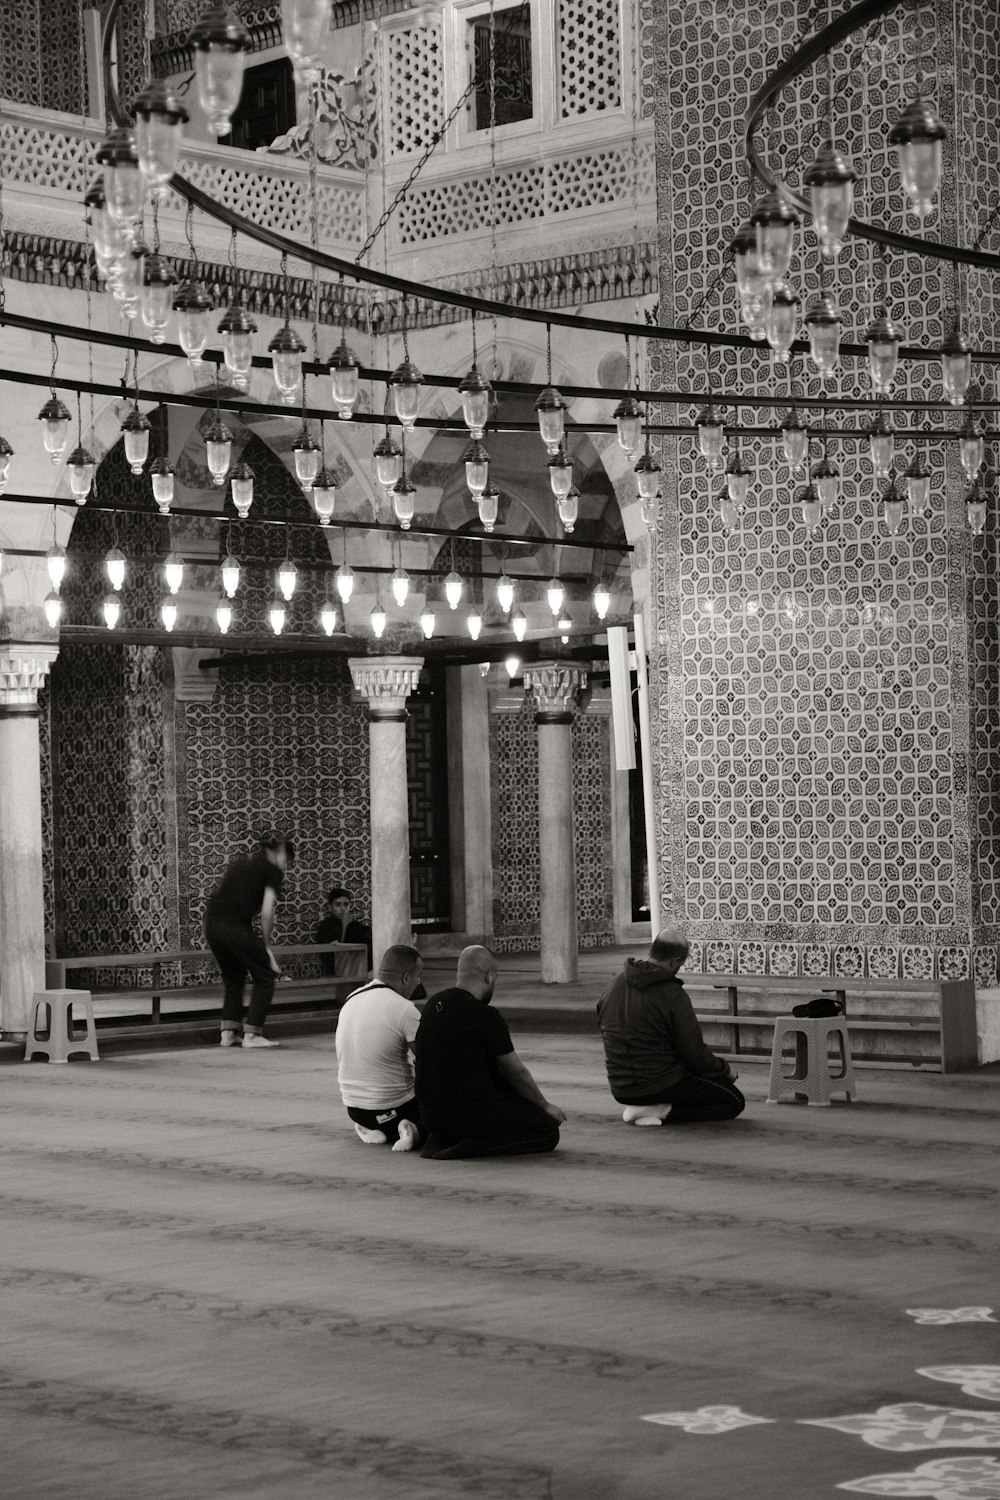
{"x": 213, "y": 1290}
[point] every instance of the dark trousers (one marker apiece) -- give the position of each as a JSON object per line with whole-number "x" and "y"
{"x": 510, "y": 1127}
{"x": 386, "y": 1120}
{"x": 239, "y": 951}
{"x": 695, "y": 1099}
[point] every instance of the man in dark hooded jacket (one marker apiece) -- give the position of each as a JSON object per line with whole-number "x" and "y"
{"x": 658, "y": 1064}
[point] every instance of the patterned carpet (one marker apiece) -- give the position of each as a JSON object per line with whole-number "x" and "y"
{"x": 213, "y": 1290}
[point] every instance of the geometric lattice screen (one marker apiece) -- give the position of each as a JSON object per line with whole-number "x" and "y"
{"x": 415, "y": 87}
{"x": 589, "y": 57}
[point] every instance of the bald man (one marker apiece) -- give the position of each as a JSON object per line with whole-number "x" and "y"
{"x": 476, "y": 1096}
{"x": 375, "y": 1034}
{"x": 658, "y": 1064}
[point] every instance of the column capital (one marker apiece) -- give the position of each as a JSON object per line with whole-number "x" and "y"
{"x": 386, "y": 682}
{"x": 24, "y": 666}
{"x": 555, "y": 685}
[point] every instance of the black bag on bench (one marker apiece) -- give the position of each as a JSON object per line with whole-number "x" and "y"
{"x": 823, "y": 1005}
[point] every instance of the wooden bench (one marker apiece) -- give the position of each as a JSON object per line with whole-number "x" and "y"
{"x": 197, "y": 999}
{"x": 937, "y": 1017}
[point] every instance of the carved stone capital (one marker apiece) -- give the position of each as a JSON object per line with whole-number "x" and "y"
{"x": 386, "y": 682}
{"x": 23, "y": 670}
{"x": 556, "y": 686}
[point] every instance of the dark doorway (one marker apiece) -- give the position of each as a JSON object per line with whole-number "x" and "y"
{"x": 267, "y": 106}
{"x": 427, "y": 780}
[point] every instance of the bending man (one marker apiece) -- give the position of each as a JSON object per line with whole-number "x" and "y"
{"x": 375, "y": 1032}
{"x": 249, "y": 888}
{"x": 658, "y": 1064}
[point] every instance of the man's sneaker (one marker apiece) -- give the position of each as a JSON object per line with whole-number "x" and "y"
{"x": 229, "y": 1038}
{"x": 409, "y": 1137}
{"x": 254, "y": 1039}
{"x": 371, "y": 1137}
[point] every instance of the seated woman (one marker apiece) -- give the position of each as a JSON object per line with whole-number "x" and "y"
{"x": 338, "y": 926}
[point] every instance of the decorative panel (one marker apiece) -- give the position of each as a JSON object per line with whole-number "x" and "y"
{"x": 45, "y": 777}
{"x": 415, "y": 85}
{"x": 41, "y": 46}
{"x": 589, "y": 39}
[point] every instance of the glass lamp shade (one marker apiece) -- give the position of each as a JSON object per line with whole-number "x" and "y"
{"x": 160, "y": 118}
{"x": 135, "y": 430}
{"x": 377, "y": 618}
{"x": 308, "y": 459}
{"x": 109, "y": 240}
{"x": 752, "y": 279}
{"x": 474, "y": 624}
{"x": 956, "y": 367}
{"x": 512, "y": 666}
{"x": 830, "y": 181}
{"x": 475, "y": 394}
{"x": 6, "y": 454}
{"x": 387, "y": 456}
{"x": 173, "y": 571}
{"x": 236, "y": 329}
{"x": 453, "y": 588}
{"x": 55, "y": 562}
{"x": 711, "y": 435}
{"x": 628, "y": 415}
{"x": 241, "y": 488}
{"x": 971, "y": 448}
{"x": 344, "y": 367}
{"x": 286, "y": 578}
{"x": 477, "y": 468}
{"x": 917, "y": 136}
{"x": 882, "y": 339}
{"x": 345, "y": 582}
{"x": 124, "y": 185}
{"x": 54, "y": 417}
{"x": 810, "y": 508}
{"x": 737, "y": 481}
{"x": 774, "y": 223}
{"x": 975, "y": 510}
{"x": 551, "y": 409}
{"x": 556, "y": 595}
{"x": 560, "y": 474}
{"x": 193, "y": 307}
{"x": 782, "y": 320}
{"x": 400, "y": 586}
{"x": 406, "y": 381}
{"x": 53, "y": 609}
{"x": 569, "y": 510}
{"x": 404, "y": 501}
{"x": 755, "y": 311}
{"x": 428, "y": 620}
{"x": 131, "y": 276}
{"x": 917, "y": 478}
{"x": 230, "y": 575}
{"x": 794, "y": 441}
{"x": 826, "y": 477}
{"x": 111, "y": 609}
{"x": 80, "y": 468}
{"x": 109, "y": 268}
{"x": 156, "y": 296}
{"x": 893, "y": 509}
{"x": 219, "y": 452}
{"x": 114, "y": 567}
{"x": 882, "y": 441}
{"x": 304, "y": 26}
{"x": 729, "y": 512}
{"x": 223, "y": 616}
{"x": 823, "y": 325}
{"x": 602, "y": 602}
{"x": 219, "y": 40}
{"x": 649, "y": 510}
{"x": 505, "y": 593}
{"x": 519, "y": 625}
{"x": 277, "y": 616}
{"x": 168, "y": 613}
{"x": 328, "y": 617}
{"x": 286, "y": 350}
{"x": 564, "y": 624}
{"x": 324, "y": 495}
{"x": 488, "y": 504}
{"x": 647, "y": 475}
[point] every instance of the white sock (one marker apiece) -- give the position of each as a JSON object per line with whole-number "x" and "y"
{"x": 409, "y": 1137}
{"x": 371, "y": 1137}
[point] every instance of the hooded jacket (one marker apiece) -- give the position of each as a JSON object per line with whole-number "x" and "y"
{"x": 652, "y": 1038}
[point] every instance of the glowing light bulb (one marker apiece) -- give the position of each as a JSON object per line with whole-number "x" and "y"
{"x": 345, "y": 582}
{"x": 287, "y": 577}
{"x": 556, "y": 594}
{"x": 328, "y": 617}
{"x": 308, "y": 457}
{"x": 513, "y": 666}
{"x": 168, "y": 613}
{"x": 453, "y": 586}
{"x": 519, "y": 625}
{"x": 55, "y": 562}
{"x": 112, "y": 610}
{"x": 276, "y": 615}
{"x": 428, "y": 620}
{"x": 114, "y": 566}
{"x": 161, "y": 472}
{"x": 324, "y": 495}
{"x": 602, "y": 602}
{"x": 173, "y": 571}
{"x": 378, "y": 621}
{"x": 505, "y": 593}
{"x": 80, "y": 468}
{"x": 474, "y": 624}
{"x": 400, "y": 586}
{"x": 53, "y": 609}
{"x": 223, "y": 616}
{"x": 241, "y": 487}
{"x": 230, "y": 575}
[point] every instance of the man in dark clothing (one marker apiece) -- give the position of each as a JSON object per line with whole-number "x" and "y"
{"x": 657, "y": 1061}
{"x": 476, "y": 1097}
{"x": 338, "y": 926}
{"x": 249, "y": 888}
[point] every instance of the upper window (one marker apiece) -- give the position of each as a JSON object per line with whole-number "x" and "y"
{"x": 503, "y": 94}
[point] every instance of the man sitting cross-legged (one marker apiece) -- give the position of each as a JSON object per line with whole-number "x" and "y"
{"x": 658, "y": 1064}
{"x": 375, "y": 1032}
{"x": 476, "y": 1097}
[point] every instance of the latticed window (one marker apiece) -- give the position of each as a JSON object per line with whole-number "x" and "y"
{"x": 415, "y": 86}
{"x": 589, "y": 57}
{"x": 508, "y": 93}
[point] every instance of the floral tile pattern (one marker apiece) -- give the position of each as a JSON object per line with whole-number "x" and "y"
{"x": 941, "y": 1479}
{"x": 981, "y": 1381}
{"x": 912, "y": 1425}
{"x": 708, "y": 1421}
{"x": 940, "y": 1316}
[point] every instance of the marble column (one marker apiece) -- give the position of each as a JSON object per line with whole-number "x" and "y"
{"x": 386, "y": 682}
{"x": 23, "y": 669}
{"x": 556, "y": 685}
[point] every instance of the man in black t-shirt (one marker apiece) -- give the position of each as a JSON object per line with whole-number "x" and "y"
{"x": 250, "y": 887}
{"x": 476, "y": 1096}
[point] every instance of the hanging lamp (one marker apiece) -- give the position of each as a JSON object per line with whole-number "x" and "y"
{"x": 882, "y": 442}
{"x": 830, "y": 181}
{"x": 918, "y": 135}
{"x": 344, "y": 366}
{"x": 219, "y": 40}
{"x": 160, "y": 118}
{"x": 241, "y": 482}
{"x": 883, "y": 341}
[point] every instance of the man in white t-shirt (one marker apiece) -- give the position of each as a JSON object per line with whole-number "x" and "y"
{"x": 375, "y": 1032}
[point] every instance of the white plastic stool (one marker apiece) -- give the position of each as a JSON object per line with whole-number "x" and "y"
{"x": 812, "y": 1078}
{"x": 51, "y": 1033}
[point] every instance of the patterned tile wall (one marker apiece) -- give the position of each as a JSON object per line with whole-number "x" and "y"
{"x": 42, "y": 53}
{"x": 812, "y": 714}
